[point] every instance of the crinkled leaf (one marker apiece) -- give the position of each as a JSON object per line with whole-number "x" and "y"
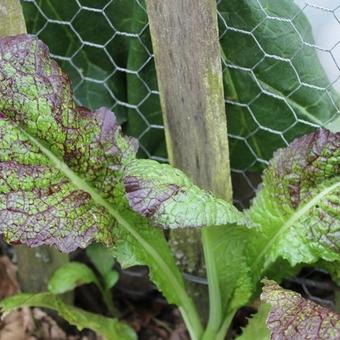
{"x": 111, "y": 329}
{"x": 71, "y": 275}
{"x": 298, "y": 206}
{"x": 169, "y": 199}
{"x": 60, "y": 170}
{"x": 39, "y": 205}
{"x": 297, "y": 214}
{"x": 293, "y": 317}
{"x": 257, "y": 325}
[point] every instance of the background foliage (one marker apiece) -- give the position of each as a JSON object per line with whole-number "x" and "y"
{"x": 267, "y": 49}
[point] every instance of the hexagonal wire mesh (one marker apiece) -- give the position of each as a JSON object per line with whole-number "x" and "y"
{"x": 269, "y": 53}
{"x": 281, "y": 70}
{"x": 285, "y": 51}
{"x": 94, "y": 42}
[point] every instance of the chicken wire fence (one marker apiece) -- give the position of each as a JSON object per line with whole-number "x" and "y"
{"x": 281, "y": 70}
{"x": 281, "y": 74}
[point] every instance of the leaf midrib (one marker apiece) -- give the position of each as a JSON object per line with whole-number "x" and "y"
{"x": 84, "y": 186}
{"x": 303, "y": 110}
{"x": 291, "y": 221}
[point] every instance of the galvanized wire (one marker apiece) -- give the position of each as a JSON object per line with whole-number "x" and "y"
{"x": 93, "y": 85}
{"x": 94, "y": 61}
{"x": 324, "y": 18}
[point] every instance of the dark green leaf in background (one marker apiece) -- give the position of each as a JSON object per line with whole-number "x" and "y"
{"x": 275, "y": 86}
{"x": 111, "y": 65}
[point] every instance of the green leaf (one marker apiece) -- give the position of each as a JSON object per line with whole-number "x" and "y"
{"x": 170, "y": 200}
{"x": 110, "y": 279}
{"x": 150, "y": 248}
{"x": 101, "y": 257}
{"x": 257, "y": 325}
{"x": 271, "y": 71}
{"x": 296, "y": 213}
{"x": 61, "y": 169}
{"x": 111, "y": 329}
{"x": 229, "y": 246}
{"x": 74, "y": 274}
{"x": 277, "y": 77}
{"x": 103, "y": 260}
{"x": 39, "y": 205}
{"x": 298, "y": 206}
{"x": 293, "y": 317}
{"x": 71, "y": 275}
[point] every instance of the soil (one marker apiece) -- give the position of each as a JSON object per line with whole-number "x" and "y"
{"x": 138, "y": 302}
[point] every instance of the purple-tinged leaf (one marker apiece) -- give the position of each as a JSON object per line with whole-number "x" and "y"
{"x": 38, "y": 203}
{"x": 61, "y": 171}
{"x": 293, "y": 317}
{"x": 297, "y": 209}
{"x": 170, "y": 200}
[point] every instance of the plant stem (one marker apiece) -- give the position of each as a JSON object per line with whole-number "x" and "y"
{"x": 225, "y": 326}
{"x": 107, "y": 297}
{"x": 215, "y": 301}
{"x": 186, "y": 304}
{"x": 190, "y": 85}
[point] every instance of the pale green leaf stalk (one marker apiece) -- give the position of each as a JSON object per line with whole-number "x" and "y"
{"x": 68, "y": 177}
{"x": 61, "y": 167}
{"x": 109, "y": 328}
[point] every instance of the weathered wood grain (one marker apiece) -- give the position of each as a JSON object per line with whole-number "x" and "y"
{"x": 11, "y": 18}
{"x": 186, "y": 47}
